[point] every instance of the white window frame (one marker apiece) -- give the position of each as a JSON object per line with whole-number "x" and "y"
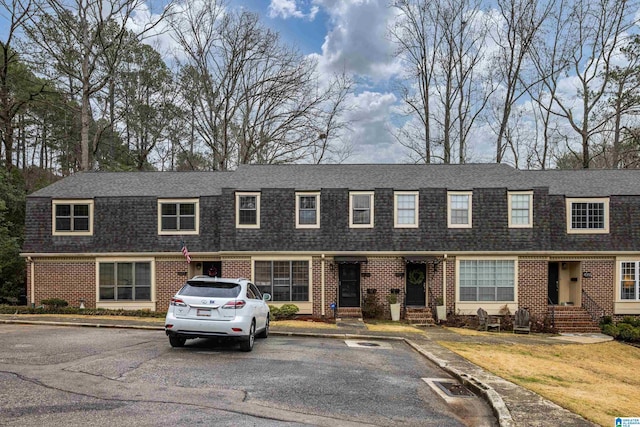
{"x": 530, "y": 216}
{"x": 636, "y": 281}
{"x": 306, "y": 307}
{"x": 569, "y": 211}
{"x": 416, "y": 210}
{"x": 492, "y": 307}
{"x": 71, "y": 202}
{"x": 195, "y": 202}
{"x": 250, "y": 194}
{"x": 127, "y": 304}
{"x": 371, "y": 209}
{"x": 469, "y": 194}
{"x": 309, "y": 194}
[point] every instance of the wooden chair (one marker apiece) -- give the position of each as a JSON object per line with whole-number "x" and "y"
{"x": 485, "y": 323}
{"x": 521, "y": 321}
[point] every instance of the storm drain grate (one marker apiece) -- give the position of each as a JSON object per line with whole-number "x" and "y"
{"x": 368, "y": 344}
{"x": 454, "y": 389}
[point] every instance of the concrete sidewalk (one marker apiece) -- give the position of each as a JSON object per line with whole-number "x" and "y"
{"x": 513, "y": 405}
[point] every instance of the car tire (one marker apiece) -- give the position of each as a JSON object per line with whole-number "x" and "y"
{"x": 247, "y": 343}
{"x": 177, "y": 341}
{"x": 265, "y": 332}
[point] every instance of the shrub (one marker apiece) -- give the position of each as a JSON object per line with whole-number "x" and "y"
{"x": 627, "y": 330}
{"x": 635, "y": 322}
{"x": 286, "y": 311}
{"x": 610, "y": 329}
{"x": 370, "y": 308}
{"x": 54, "y": 303}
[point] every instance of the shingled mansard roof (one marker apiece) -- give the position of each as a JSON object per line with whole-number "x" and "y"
{"x": 572, "y": 183}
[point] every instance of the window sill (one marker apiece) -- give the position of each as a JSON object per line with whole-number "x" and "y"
{"x": 127, "y": 305}
{"x": 626, "y": 307}
{"x": 492, "y": 308}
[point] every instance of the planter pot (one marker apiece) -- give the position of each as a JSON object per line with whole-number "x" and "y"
{"x": 395, "y": 312}
{"x": 441, "y": 313}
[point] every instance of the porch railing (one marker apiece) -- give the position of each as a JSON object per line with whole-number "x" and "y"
{"x": 552, "y": 308}
{"x": 593, "y": 308}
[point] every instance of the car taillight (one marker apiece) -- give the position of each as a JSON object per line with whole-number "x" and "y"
{"x": 235, "y": 304}
{"x": 177, "y": 302}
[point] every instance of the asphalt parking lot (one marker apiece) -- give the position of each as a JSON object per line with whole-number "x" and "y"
{"x": 79, "y": 376}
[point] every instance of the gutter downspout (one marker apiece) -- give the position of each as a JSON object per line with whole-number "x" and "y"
{"x": 322, "y": 282}
{"x": 444, "y": 282}
{"x": 32, "y": 276}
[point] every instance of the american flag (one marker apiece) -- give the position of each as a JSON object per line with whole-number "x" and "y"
{"x": 185, "y": 252}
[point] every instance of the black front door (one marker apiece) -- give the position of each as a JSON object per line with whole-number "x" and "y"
{"x": 349, "y": 291}
{"x": 212, "y": 268}
{"x": 416, "y": 281}
{"x": 553, "y": 284}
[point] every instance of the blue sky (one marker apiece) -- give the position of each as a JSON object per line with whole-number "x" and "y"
{"x": 350, "y": 36}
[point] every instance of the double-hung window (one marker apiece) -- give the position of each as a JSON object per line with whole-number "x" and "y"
{"x": 630, "y": 280}
{"x": 486, "y": 280}
{"x": 520, "y": 209}
{"x": 124, "y": 281}
{"x": 459, "y": 209}
{"x": 178, "y": 216}
{"x": 307, "y": 210}
{"x": 405, "y": 209}
{"x": 248, "y": 210}
{"x": 284, "y": 280}
{"x": 361, "y": 209}
{"x": 72, "y": 217}
{"x": 587, "y": 215}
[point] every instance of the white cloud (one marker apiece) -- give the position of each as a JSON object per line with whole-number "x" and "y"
{"x": 356, "y": 41}
{"x": 370, "y": 139}
{"x": 289, "y": 9}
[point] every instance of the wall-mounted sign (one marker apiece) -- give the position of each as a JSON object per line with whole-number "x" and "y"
{"x": 586, "y": 274}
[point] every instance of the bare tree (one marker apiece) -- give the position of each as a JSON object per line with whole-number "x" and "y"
{"x": 517, "y": 27}
{"x": 257, "y": 100}
{"x": 83, "y": 40}
{"x": 417, "y": 34}
{"x": 17, "y": 84}
{"x": 441, "y": 44}
{"x": 589, "y": 34}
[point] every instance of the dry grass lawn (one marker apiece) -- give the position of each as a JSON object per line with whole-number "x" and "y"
{"x": 302, "y": 324}
{"x": 597, "y": 381}
{"x": 392, "y": 327}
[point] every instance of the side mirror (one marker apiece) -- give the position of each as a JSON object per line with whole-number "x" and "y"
{"x": 266, "y": 297}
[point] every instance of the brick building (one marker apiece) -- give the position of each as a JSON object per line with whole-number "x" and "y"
{"x": 463, "y": 236}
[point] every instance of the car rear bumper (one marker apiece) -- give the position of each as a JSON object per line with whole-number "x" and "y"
{"x": 237, "y": 327}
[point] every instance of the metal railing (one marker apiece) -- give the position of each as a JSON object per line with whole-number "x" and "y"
{"x": 552, "y": 307}
{"x": 593, "y": 308}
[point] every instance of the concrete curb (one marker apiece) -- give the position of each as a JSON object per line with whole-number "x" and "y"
{"x": 494, "y": 400}
{"x": 80, "y": 324}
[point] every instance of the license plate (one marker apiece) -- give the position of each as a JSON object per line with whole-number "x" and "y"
{"x": 203, "y": 312}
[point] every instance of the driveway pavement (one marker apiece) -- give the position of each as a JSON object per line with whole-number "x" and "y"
{"x": 512, "y": 405}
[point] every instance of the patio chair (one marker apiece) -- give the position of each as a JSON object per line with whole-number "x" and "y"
{"x": 485, "y": 323}
{"x": 521, "y": 322}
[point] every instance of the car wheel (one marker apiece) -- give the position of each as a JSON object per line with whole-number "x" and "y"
{"x": 247, "y": 343}
{"x": 177, "y": 341}
{"x": 265, "y": 332}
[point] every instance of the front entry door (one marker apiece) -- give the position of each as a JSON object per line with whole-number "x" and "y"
{"x": 212, "y": 268}
{"x": 349, "y": 276}
{"x": 416, "y": 275}
{"x": 553, "y": 283}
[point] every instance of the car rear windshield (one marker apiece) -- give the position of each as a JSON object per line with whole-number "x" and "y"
{"x": 211, "y": 290}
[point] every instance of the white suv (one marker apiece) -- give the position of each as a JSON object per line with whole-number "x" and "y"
{"x": 216, "y": 307}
